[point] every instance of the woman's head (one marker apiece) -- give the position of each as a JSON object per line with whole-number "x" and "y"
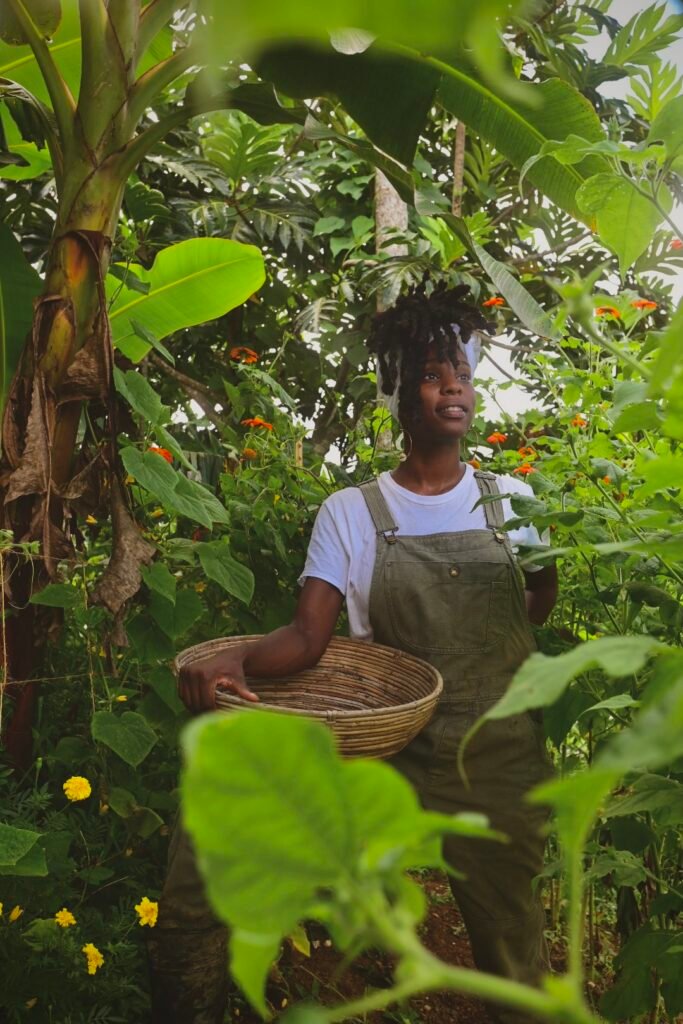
{"x": 422, "y": 337}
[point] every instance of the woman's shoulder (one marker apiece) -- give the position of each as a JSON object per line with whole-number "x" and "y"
{"x": 348, "y": 501}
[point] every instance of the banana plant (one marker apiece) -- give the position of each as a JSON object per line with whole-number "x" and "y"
{"x": 99, "y": 84}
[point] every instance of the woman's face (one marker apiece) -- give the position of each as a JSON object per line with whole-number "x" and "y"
{"x": 447, "y": 398}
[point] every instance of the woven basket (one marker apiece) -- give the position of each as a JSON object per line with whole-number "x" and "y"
{"x": 374, "y": 699}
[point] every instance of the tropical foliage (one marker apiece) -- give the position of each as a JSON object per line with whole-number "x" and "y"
{"x": 214, "y": 229}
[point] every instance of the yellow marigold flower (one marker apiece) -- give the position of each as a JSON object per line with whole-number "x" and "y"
{"x": 30, "y": 1003}
{"x": 65, "y": 918}
{"x": 147, "y": 912}
{"x": 121, "y": 697}
{"x": 93, "y": 957}
{"x": 200, "y": 587}
{"x": 77, "y": 788}
{"x": 157, "y": 513}
{"x": 15, "y": 913}
{"x": 91, "y": 520}
{"x": 1, "y": 906}
{"x": 129, "y": 479}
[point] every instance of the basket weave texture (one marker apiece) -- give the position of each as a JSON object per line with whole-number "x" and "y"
{"x": 375, "y": 699}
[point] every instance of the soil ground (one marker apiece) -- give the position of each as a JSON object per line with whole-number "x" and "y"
{"x": 318, "y": 976}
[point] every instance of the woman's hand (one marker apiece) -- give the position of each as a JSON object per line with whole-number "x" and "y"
{"x": 197, "y": 683}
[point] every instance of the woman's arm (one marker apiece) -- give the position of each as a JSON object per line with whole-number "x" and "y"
{"x": 285, "y": 651}
{"x": 540, "y": 590}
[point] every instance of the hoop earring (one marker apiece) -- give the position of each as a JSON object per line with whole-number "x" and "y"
{"x": 404, "y": 454}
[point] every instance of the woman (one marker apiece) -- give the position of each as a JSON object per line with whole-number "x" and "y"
{"x": 424, "y": 570}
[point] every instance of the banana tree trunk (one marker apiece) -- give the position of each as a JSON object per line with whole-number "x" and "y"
{"x": 67, "y": 361}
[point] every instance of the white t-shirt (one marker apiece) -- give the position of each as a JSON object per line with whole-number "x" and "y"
{"x": 344, "y": 541}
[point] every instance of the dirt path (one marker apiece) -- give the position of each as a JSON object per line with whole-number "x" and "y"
{"x": 299, "y": 977}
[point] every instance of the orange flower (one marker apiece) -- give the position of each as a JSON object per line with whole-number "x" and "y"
{"x": 164, "y": 452}
{"x": 250, "y": 453}
{"x": 524, "y": 470}
{"x": 475, "y": 463}
{"x": 644, "y": 304}
{"x": 526, "y": 453}
{"x": 244, "y": 354}
{"x": 608, "y": 311}
{"x": 579, "y": 421}
{"x": 676, "y": 244}
{"x": 495, "y": 301}
{"x": 606, "y": 480}
{"x": 496, "y": 438}
{"x": 256, "y": 421}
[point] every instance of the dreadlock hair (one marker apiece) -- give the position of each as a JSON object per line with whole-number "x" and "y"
{"x": 402, "y": 334}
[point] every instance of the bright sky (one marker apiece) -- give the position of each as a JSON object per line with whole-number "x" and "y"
{"x": 514, "y": 400}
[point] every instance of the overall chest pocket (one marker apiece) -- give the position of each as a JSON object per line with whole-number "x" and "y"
{"x": 450, "y": 605}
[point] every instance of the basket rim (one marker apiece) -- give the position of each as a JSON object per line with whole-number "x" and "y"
{"x": 233, "y": 701}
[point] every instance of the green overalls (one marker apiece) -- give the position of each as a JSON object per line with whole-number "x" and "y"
{"x": 457, "y": 601}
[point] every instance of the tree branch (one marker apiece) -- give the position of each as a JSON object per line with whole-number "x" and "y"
{"x": 458, "y": 168}
{"x": 150, "y": 85}
{"x": 63, "y": 103}
{"x": 205, "y": 398}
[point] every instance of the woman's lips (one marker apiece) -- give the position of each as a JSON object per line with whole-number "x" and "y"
{"x": 452, "y": 412}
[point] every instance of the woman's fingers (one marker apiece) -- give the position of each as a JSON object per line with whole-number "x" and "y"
{"x": 197, "y": 690}
{"x": 236, "y": 686}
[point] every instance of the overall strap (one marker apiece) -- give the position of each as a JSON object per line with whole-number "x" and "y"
{"x": 378, "y": 509}
{"x": 493, "y": 510}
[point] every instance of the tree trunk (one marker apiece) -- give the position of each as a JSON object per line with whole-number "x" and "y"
{"x": 391, "y": 214}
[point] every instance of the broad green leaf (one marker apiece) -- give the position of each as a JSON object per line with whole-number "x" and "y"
{"x": 159, "y": 578}
{"x": 615, "y": 703}
{"x": 18, "y": 63}
{"x": 667, "y": 127}
{"x": 543, "y": 678}
{"x": 625, "y": 220}
{"x": 122, "y": 802}
{"x": 388, "y": 95}
{"x": 623, "y": 867}
{"x": 400, "y": 178}
{"x": 175, "y": 619}
{"x": 128, "y": 735}
{"x": 190, "y": 492}
{"x": 219, "y": 565}
{"x": 576, "y": 799}
{"x": 19, "y": 285}
{"x": 15, "y": 843}
{"x": 654, "y": 739}
{"x": 141, "y": 396}
{"x": 327, "y": 225}
{"x": 58, "y": 595}
{"x": 251, "y": 956}
{"x": 273, "y": 386}
{"x": 172, "y": 489}
{"x": 44, "y": 14}
{"x": 650, "y": 793}
{"x": 519, "y": 129}
{"x": 639, "y": 40}
{"x": 190, "y": 282}
{"x": 35, "y": 161}
{"x": 165, "y": 686}
{"x": 270, "y": 830}
{"x": 32, "y": 865}
{"x": 434, "y": 25}
{"x": 519, "y": 299}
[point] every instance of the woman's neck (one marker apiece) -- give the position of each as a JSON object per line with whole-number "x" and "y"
{"x": 431, "y": 470}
